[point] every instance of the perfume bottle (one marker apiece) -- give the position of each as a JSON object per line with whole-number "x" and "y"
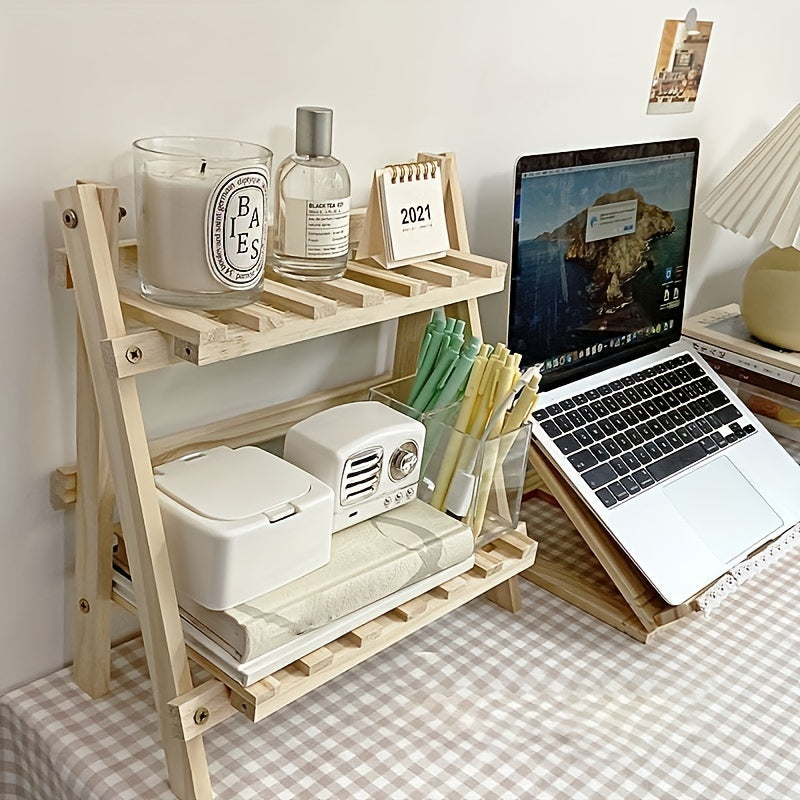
{"x": 312, "y": 224}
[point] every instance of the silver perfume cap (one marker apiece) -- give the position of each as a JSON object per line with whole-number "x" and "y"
{"x": 313, "y": 131}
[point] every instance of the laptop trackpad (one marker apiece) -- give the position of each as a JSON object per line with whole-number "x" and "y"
{"x": 723, "y": 508}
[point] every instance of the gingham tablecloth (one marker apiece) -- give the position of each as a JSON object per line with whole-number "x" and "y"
{"x": 546, "y": 704}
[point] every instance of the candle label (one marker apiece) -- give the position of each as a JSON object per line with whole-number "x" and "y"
{"x": 236, "y": 228}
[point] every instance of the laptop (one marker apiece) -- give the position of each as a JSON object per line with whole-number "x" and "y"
{"x": 681, "y": 474}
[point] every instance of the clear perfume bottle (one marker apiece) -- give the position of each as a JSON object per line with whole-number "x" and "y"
{"x": 312, "y": 223}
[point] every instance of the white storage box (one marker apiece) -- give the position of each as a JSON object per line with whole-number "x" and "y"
{"x": 240, "y": 523}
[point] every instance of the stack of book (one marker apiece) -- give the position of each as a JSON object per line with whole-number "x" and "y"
{"x": 766, "y": 378}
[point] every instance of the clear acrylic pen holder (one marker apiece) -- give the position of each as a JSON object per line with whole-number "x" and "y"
{"x": 479, "y": 481}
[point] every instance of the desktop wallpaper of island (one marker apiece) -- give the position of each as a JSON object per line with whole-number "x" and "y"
{"x": 599, "y": 257}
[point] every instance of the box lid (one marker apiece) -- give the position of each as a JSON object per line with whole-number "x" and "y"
{"x": 228, "y": 484}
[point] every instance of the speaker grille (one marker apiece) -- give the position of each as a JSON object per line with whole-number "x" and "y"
{"x": 361, "y": 475}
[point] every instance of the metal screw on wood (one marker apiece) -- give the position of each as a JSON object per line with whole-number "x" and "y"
{"x": 134, "y": 354}
{"x": 201, "y": 715}
{"x": 83, "y": 605}
{"x": 70, "y": 218}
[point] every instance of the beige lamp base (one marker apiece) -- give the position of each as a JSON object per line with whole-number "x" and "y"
{"x": 771, "y": 297}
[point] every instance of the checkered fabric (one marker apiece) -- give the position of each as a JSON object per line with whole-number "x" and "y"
{"x": 546, "y": 704}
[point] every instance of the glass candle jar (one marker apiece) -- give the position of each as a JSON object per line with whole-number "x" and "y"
{"x": 202, "y": 212}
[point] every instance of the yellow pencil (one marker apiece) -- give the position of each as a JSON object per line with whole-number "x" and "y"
{"x": 486, "y": 393}
{"x": 525, "y": 403}
{"x": 504, "y": 389}
{"x": 451, "y": 453}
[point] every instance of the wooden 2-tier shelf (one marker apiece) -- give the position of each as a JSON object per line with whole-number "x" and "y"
{"x": 121, "y": 336}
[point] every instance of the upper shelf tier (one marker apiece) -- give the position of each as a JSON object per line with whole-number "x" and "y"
{"x": 159, "y": 335}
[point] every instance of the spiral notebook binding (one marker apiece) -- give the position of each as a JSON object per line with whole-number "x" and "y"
{"x": 412, "y": 170}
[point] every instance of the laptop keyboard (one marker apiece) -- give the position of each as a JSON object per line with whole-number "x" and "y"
{"x": 629, "y": 434}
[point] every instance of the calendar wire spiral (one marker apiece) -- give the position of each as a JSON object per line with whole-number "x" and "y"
{"x": 412, "y": 170}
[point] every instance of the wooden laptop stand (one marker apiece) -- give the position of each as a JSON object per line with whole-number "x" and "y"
{"x": 628, "y": 603}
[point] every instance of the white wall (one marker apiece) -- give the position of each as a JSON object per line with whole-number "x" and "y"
{"x": 488, "y": 80}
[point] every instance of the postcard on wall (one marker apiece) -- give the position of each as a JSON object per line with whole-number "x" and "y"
{"x": 679, "y": 67}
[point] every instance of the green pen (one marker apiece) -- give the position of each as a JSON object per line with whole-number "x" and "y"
{"x": 444, "y": 365}
{"x": 437, "y": 323}
{"x": 454, "y": 383}
{"x": 457, "y": 336}
{"x": 448, "y": 391}
{"x": 431, "y": 342}
{"x": 439, "y": 338}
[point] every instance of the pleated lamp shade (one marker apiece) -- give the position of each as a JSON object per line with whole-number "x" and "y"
{"x": 760, "y": 198}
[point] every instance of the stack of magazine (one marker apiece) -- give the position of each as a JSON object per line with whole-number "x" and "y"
{"x": 766, "y": 378}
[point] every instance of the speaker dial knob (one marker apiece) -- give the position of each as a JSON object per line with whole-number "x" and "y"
{"x": 403, "y": 461}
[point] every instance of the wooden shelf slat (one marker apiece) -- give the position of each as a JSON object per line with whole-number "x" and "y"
{"x": 182, "y": 323}
{"x": 255, "y": 317}
{"x": 345, "y": 290}
{"x": 386, "y": 279}
{"x": 290, "y": 298}
{"x": 437, "y": 273}
{"x": 288, "y": 312}
{"x": 479, "y": 266}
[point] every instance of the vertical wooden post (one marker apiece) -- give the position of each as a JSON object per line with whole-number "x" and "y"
{"x": 94, "y": 508}
{"x": 93, "y": 540}
{"x": 453, "y": 199}
{"x": 409, "y": 335}
{"x": 506, "y": 595}
{"x": 126, "y": 442}
{"x": 468, "y": 310}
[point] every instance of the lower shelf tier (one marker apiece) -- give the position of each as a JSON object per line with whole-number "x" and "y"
{"x": 218, "y": 698}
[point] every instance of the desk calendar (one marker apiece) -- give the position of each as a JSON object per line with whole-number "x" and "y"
{"x": 408, "y": 201}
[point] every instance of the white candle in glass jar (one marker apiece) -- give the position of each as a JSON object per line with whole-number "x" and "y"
{"x": 202, "y": 219}
{"x": 172, "y": 243}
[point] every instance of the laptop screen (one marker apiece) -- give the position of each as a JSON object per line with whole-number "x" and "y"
{"x": 599, "y": 255}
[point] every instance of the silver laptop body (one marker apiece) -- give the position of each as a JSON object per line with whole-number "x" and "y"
{"x": 686, "y": 529}
{"x": 678, "y": 470}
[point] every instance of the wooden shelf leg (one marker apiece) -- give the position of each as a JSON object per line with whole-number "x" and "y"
{"x": 410, "y": 329}
{"x": 506, "y": 595}
{"x": 99, "y": 311}
{"x": 94, "y": 507}
{"x": 93, "y": 540}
